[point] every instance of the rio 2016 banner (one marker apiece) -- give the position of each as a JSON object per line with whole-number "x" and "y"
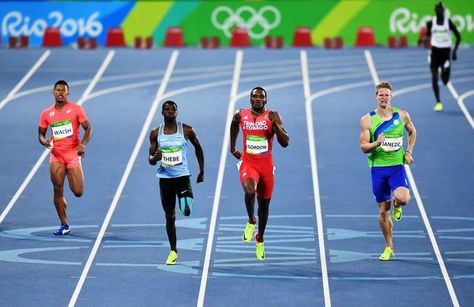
{"x": 325, "y": 18}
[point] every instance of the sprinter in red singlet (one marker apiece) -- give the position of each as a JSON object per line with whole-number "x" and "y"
{"x": 259, "y": 125}
{"x": 64, "y": 118}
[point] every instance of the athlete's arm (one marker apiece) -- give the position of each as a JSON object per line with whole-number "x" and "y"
{"x": 190, "y": 134}
{"x": 365, "y": 145}
{"x": 456, "y": 33}
{"x": 154, "y": 152}
{"x": 282, "y": 136}
{"x": 234, "y": 133}
{"x": 429, "y": 24}
{"x": 81, "y": 148}
{"x": 42, "y": 137}
{"x": 410, "y": 127}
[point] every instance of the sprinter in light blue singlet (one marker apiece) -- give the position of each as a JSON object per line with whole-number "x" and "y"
{"x": 174, "y": 150}
{"x": 169, "y": 148}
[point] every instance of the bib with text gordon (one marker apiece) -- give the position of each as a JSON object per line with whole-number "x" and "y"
{"x": 256, "y": 145}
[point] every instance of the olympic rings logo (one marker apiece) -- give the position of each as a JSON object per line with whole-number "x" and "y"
{"x": 258, "y": 23}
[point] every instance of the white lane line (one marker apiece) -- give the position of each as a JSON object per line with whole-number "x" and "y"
{"x": 314, "y": 173}
{"x": 460, "y": 100}
{"x": 28, "y": 75}
{"x": 45, "y": 153}
{"x": 421, "y": 207}
{"x": 220, "y": 176}
{"x": 126, "y": 174}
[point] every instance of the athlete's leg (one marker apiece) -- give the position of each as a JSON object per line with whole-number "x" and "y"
{"x": 184, "y": 192}
{"x": 263, "y": 210}
{"x": 168, "y": 201}
{"x": 58, "y": 174}
{"x": 434, "y": 81}
{"x": 402, "y": 196}
{"x": 75, "y": 177}
{"x": 385, "y": 223}
{"x": 398, "y": 182}
{"x": 264, "y": 195}
{"x": 445, "y": 73}
{"x": 250, "y": 189}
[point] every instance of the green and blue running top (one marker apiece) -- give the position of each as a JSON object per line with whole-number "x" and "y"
{"x": 391, "y": 151}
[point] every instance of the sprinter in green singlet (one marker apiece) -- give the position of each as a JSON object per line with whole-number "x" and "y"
{"x": 381, "y": 136}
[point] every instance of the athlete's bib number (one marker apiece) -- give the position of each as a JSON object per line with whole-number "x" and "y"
{"x": 171, "y": 156}
{"x": 62, "y": 129}
{"x": 392, "y": 144}
{"x": 256, "y": 145}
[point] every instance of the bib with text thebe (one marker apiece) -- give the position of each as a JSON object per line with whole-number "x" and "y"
{"x": 172, "y": 156}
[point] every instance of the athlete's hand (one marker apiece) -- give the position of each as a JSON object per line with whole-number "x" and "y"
{"x": 408, "y": 157}
{"x": 380, "y": 139}
{"x": 236, "y": 154}
{"x": 157, "y": 156}
{"x": 81, "y": 149}
{"x": 200, "y": 177}
{"x": 274, "y": 117}
{"x": 454, "y": 56}
{"x": 48, "y": 143}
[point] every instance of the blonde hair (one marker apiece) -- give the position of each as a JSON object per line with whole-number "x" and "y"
{"x": 383, "y": 84}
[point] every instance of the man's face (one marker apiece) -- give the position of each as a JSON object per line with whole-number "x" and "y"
{"x": 258, "y": 99}
{"x": 61, "y": 92}
{"x": 169, "y": 111}
{"x": 383, "y": 97}
{"x": 439, "y": 10}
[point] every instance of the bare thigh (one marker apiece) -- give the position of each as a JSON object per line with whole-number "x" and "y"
{"x": 75, "y": 178}
{"x": 58, "y": 173}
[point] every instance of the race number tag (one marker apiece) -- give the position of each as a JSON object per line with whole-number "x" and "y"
{"x": 392, "y": 144}
{"x": 62, "y": 129}
{"x": 256, "y": 145}
{"x": 171, "y": 156}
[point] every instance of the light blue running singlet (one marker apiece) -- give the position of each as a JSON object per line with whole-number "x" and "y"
{"x": 174, "y": 148}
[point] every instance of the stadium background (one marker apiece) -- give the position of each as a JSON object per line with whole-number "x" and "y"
{"x": 325, "y": 18}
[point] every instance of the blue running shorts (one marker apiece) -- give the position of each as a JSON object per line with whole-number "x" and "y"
{"x": 385, "y": 179}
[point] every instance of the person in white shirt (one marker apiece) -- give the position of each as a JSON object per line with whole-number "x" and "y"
{"x": 439, "y": 32}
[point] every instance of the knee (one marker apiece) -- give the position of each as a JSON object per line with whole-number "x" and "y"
{"x": 58, "y": 190}
{"x": 403, "y": 199}
{"x": 185, "y": 205}
{"x": 384, "y": 215}
{"x": 77, "y": 193}
{"x": 250, "y": 190}
{"x": 170, "y": 216}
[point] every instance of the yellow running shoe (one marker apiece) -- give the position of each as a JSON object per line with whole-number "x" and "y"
{"x": 172, "y": 257}
{"x": 387, "y": 253}
{"x": 248, "y": 233}
{"x": 260, "y": 251}
{"x": 397, "y": 213}
{"x": 438, "y": 107}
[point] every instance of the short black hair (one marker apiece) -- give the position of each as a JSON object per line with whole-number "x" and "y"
{"x": 258, "y": 88}
{"x": 61, "y": 82}
{"x": 168, "y": 102}
{"x": 439, "y": 6}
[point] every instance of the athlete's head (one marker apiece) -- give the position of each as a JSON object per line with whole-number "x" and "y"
{"x": 169, "y": 110}
{"x": 439, "y": 9}
{"x": 383, "y": 93}
{"x": 258, "y": 98}
{"x": 61, "y": 82}
{"x": 383, "y": 84}
{"x": 61, "y": 91}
